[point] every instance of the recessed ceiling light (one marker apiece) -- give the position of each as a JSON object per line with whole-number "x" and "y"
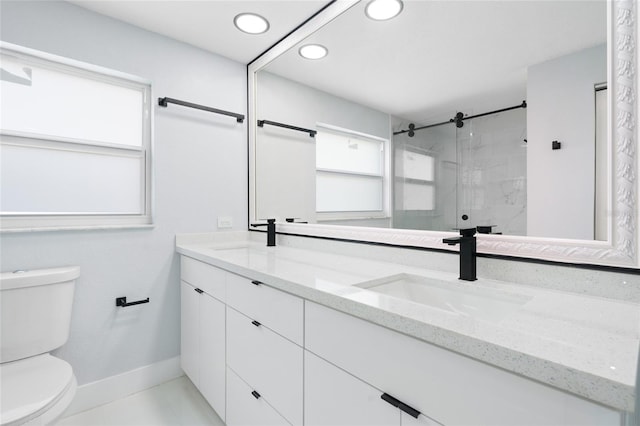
{"x": 251, "y": 23}
{"x": 313, "y": 51}
{"x": 381, "y": 10}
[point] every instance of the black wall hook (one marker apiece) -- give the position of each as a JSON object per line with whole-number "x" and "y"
{"x": 122, "y": 302}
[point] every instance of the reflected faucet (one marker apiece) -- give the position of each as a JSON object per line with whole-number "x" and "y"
{"x": 467, "y": 243}
{"x": 271, "y": 231}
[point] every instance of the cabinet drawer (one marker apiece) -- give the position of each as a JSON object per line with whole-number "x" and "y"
{"x": 269, "y": 363}
{"x": 450, "y": 388}
{"x": 203, "y": 276}
{"x": 333, "y": 397}
{"x": 277, "y": 310}
{"x": 244, "y": 409}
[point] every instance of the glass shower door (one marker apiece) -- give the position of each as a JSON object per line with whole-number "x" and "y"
{"x": 424, "y": 182}
{"x": 492, "y": 173}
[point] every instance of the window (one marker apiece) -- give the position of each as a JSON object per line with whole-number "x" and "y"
{"x": 350, "y": 171}
{"x": 75, "y": 143}
{"x": 416, "y": 175}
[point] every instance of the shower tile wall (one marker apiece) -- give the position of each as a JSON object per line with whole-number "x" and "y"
{"x": 480, "y": 171}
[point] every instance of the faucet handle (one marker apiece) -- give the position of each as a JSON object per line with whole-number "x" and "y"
{"x": 468, "y": 232}
{"x": 485, "y": 229}
{"x": 293, "y": 220}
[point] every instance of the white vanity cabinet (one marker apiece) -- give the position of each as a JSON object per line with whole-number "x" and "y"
{"x": 203, "y": 330}
{"x": 242, "y": 345}
{"x": 447, "y": 387}
{"x": 261, "y": 356}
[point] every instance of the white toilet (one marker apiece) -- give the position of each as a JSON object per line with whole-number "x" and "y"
{"x": 35, "y": 315}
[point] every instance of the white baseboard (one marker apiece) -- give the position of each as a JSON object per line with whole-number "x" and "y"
{"x": 103, "y": 391}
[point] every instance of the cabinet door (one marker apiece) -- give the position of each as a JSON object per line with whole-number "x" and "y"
{"x": 212, "y": 352}
{"x": 333, "y": 397}
{"x": 189, "y": 331}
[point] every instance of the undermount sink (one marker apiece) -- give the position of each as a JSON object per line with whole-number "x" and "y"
{"x": 454, "y": 297}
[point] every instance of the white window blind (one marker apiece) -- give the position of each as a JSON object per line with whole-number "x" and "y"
{"x": 74, "y": 143}
{"x": 349, "y": 172}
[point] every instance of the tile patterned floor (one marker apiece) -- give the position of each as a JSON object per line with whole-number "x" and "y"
{"x": 173, "y": 403}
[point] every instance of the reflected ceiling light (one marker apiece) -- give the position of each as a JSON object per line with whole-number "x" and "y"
{"x": 313, "y": 51}
{"x": 251, "y": 23}
{"x": 381, "y": 10}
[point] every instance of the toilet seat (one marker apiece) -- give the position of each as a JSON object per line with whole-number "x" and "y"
{"x": 35, "y": 390}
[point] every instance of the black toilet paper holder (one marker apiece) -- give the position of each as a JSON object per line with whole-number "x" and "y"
{"x": 122, "y": 302}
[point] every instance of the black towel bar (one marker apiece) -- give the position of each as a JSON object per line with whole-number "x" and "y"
{"x": 312, "y": 133}
{"x": 163, "y": 102}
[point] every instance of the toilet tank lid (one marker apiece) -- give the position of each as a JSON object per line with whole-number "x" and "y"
{"x": 36, "y": 277}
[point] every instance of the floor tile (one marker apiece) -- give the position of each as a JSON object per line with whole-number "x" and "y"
{"x": 174, "y": 403}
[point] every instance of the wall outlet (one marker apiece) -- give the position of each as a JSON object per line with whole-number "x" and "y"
{"x": 225, "y": 222}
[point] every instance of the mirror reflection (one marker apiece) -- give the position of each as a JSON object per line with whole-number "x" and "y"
{"x": 450, "y": 115}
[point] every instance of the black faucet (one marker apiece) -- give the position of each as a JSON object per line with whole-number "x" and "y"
{"x": 271, "y": 231}
{"x": 467, "y": 243}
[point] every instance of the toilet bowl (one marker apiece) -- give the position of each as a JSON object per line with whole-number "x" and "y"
{"x": 35, "y": 386}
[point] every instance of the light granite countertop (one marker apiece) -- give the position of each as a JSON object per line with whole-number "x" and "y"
{"x": 585, "y": 345}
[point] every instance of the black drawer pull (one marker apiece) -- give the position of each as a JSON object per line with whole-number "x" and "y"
{"x": 199, "y": 290}
{"x": 401, "y": 405}
{"x": 255, "y": 394}
{"x": 256, "y": 323}
{"x": 256, "y": 282}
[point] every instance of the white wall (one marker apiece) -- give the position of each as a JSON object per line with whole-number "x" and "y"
{"x": 561, "y": 106}
{"x": 200, "y": 162}
{"x": 285, "y": 159}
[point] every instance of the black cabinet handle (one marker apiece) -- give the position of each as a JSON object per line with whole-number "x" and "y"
{"x": 401, "y": 405}
{"x": 255, "y": 394}
{"x": 256, "y": 282}
{"x": 256, "y": 323}
{"x": 199, "y": 290}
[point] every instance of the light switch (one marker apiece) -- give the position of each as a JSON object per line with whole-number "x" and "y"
{"x": 225, "y": 222}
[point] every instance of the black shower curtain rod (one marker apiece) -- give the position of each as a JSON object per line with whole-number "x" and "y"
{"x": 458, "y": 119}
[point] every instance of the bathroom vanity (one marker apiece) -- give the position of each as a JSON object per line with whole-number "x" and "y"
{"x": 300, "y": 335}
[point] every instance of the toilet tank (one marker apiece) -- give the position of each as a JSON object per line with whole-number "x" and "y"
{"x": 35, "y": 311}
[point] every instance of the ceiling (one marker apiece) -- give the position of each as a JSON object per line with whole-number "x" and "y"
{"x": 208, "y": 24}
{"x": 436, "y": 57}
{"x": 439, "y": 57}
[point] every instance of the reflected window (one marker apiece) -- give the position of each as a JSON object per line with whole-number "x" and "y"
{"x": 350, "y": 171}
{"x": 415, "y": 173}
